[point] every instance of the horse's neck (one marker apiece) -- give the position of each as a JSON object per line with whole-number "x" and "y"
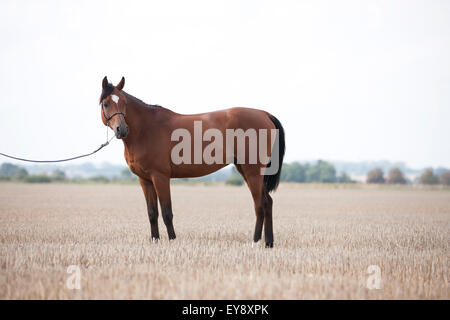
{"x": 140, "y": 117}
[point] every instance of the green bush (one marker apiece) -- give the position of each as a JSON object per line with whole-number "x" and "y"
{"x": 396, "y": 176}
{"x": 345, "y": 178}
{"x": 99, "y": 179}
{"x": 9, "y": 171}
{"x": 322, "y": 171}
{"x": 58, "y": 175}
{"x": 38, "y": 178}
{"x": 445, "y": 178}
{"x": 4, "y": 178}
{"x": 375, "y": 176}
{"x": 127, "y": 175}
{"x": 428, "y": 177}
{"x": 293, "y": 172}
{"x": 235, "y": 179}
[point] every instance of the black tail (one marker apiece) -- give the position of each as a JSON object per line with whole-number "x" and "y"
{"x": 271, "y": 181}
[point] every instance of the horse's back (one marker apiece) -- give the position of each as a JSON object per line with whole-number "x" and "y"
{"x": 232, "y": 118}
{"x": 248, "y": 118}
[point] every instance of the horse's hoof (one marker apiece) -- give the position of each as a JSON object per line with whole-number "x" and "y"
{"x": 254, "y": 244}
{"x": 269, "y": 244}
{"x": 155, "y": 240}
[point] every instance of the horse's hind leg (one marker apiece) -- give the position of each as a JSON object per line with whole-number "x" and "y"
{"x": 255, "y": 184}
{"x": 162, "y": 186}
{"x": 262, "y": 201}
{"x": 152, "y": 206}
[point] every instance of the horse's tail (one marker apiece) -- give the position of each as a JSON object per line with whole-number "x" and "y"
{"x": 271, "y": 181}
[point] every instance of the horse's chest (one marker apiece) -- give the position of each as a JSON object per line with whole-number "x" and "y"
{"x": 132, "y": 167}
{"x": 132, "y": 164}
{"x": 135, "y": 167}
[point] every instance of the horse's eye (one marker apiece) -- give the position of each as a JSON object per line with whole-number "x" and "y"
{"x": 105, "y": 104}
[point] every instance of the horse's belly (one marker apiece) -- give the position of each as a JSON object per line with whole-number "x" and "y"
{"x": 194, "y": 170}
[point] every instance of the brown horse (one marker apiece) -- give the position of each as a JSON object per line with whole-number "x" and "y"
{"x": 147, "y": 132}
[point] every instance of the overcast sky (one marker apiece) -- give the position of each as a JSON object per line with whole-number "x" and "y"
{"x": 349, "y": 80}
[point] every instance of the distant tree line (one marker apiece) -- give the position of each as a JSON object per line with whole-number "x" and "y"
{"x": 396, "y": 176}
{"x": 321, "y": 172}
{"x": 14, "y": 173}
{"x": 325, "y": 172}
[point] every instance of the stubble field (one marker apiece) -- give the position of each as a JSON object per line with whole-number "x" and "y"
{"x": 325, "y": 240}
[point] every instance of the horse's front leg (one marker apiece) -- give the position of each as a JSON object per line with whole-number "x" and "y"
{"x": 152, "y": 206}
{"x": 162, "y": 186}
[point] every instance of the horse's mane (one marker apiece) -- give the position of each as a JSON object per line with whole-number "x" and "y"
{"x": 142, "y": 102}
{"x": 110, "y": 88}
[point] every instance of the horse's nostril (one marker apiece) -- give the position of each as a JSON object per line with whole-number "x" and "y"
{"x": 118, "y": 129}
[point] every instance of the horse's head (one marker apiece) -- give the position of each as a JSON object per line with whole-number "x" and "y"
{"x": 114, "y": 103}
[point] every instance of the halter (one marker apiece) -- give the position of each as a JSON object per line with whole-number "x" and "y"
{"x": 113, "y": 115}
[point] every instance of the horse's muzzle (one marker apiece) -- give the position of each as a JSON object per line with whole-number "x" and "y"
{"x": 121, "y": 132}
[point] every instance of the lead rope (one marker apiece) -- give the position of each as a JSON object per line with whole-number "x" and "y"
{"x": 62, "y": 160}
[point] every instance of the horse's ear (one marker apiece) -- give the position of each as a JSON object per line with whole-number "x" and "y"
{"x": 105, "y": 82}
{"x": 121, "y": 84}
